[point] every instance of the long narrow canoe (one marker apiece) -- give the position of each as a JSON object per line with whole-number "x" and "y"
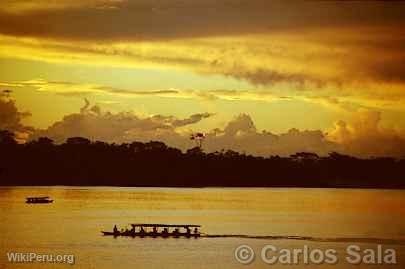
{"x": 38, "y": 200}
{"x": 176, "y": 233}
{"x": 150, "y": 234}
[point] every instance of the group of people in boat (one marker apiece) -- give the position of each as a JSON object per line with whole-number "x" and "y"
{"x": 155, "y": 233}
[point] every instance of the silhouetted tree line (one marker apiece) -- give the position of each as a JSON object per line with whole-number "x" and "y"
{"x": 80, "y": 161}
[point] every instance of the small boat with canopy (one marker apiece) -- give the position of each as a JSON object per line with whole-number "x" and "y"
{"x": 157, "y": 230}
{"x": 38, "y": 200}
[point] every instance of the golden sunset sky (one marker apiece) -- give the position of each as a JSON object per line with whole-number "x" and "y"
{"x": 259, "y": 76}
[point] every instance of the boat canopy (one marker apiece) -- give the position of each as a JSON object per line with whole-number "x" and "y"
{"x": 164, "y": 225}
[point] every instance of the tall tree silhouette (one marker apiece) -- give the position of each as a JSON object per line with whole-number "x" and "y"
{"x": 198, "y": 138}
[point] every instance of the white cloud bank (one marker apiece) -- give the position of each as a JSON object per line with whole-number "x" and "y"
{"x": 363, "y": 136}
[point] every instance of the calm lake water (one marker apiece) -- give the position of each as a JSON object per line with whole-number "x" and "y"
{"x": 72, "y": 224}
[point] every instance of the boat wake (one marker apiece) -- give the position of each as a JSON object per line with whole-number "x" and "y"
{"x": 384, "y": 241}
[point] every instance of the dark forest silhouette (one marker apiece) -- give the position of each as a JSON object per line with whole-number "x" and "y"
{"x": 80, "y": 161}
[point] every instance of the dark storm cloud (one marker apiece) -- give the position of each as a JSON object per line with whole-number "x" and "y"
{"x": 171, "y": 19}
{"x": 268, "y": 76}
{"x": 191, "y": 120}
{"x": 311, "y": 44}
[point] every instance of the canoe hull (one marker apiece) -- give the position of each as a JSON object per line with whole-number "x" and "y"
{"x": 40, "y": 202}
